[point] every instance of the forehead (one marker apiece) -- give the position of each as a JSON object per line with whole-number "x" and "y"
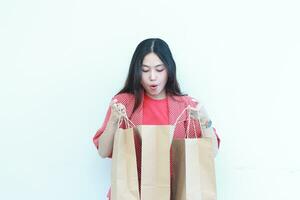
{"x": 151, "y": 59}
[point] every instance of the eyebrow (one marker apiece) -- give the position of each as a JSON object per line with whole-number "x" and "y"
{"x": 143, "y": 65}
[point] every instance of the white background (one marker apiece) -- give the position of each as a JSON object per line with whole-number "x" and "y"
{"x": 62, "y": 61}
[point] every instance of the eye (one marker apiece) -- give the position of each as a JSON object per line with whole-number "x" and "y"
{"x": 145, "y": 70}
{"x": 160, "y": 70}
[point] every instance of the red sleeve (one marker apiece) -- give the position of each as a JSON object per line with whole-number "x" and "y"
{"x": 217, "y": 138}
{"x": 101, "y": 130}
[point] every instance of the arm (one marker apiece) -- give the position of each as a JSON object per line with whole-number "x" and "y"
{"x": 104, "y": 137}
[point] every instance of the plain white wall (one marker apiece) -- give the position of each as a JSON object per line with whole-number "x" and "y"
{"x": 62, "y": 61}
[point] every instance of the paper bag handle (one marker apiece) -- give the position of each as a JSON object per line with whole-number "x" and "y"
{"x": 126, "y": 120}
{"x": 189, "y": 119}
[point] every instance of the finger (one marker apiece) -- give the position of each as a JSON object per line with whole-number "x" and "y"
{"x": 114, "y": 101}
{"x": 114, "y": 108}
{"x": 119, "y": 107}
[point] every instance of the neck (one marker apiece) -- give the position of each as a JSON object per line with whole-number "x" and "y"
{"x": 162, "y": 95}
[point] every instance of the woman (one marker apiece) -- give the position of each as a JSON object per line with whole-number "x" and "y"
{"x": 151, "y": 96}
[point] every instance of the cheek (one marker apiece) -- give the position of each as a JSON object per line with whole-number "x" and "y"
{"x": 165, "y": 77}
{"x": 143, "y": 78}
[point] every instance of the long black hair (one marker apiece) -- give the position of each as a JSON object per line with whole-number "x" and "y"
{"x": 133, "y": 81}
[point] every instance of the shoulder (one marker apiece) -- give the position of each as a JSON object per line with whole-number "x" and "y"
{"x": 189, "y": 100}
{"x": 123, "y": 96}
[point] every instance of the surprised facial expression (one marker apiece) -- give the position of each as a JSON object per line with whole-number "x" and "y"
{"x": 154, "y": 76}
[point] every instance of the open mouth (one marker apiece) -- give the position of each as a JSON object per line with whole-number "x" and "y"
{"x": 153, "y": 87}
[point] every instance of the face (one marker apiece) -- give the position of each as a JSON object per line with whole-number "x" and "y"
{"x": 154, "y": 76}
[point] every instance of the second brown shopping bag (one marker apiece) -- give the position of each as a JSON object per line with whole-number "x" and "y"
{"x": 193, "y": 167}
{"x": 155, "y": 170}
{"x": 155, "y": 164}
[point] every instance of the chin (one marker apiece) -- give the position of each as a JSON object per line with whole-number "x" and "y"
{"x": 154, "y": 93}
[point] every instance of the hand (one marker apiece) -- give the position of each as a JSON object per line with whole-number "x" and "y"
{"x": 117, "y": 110}
{"x": 200, "y": 115}
{"x": 194, "y": 112}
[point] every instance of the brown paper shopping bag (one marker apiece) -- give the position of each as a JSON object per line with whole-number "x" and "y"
{"x": 178, "y": 178}
{"x": 155, "y": 170}
{"x": 124, "y": 177}
{"x": 193, "y": 169}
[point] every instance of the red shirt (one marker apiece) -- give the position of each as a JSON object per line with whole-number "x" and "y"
{"x": 155, "y": 111}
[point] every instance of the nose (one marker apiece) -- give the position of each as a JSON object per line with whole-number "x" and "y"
{"x": 152, "y": 75}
